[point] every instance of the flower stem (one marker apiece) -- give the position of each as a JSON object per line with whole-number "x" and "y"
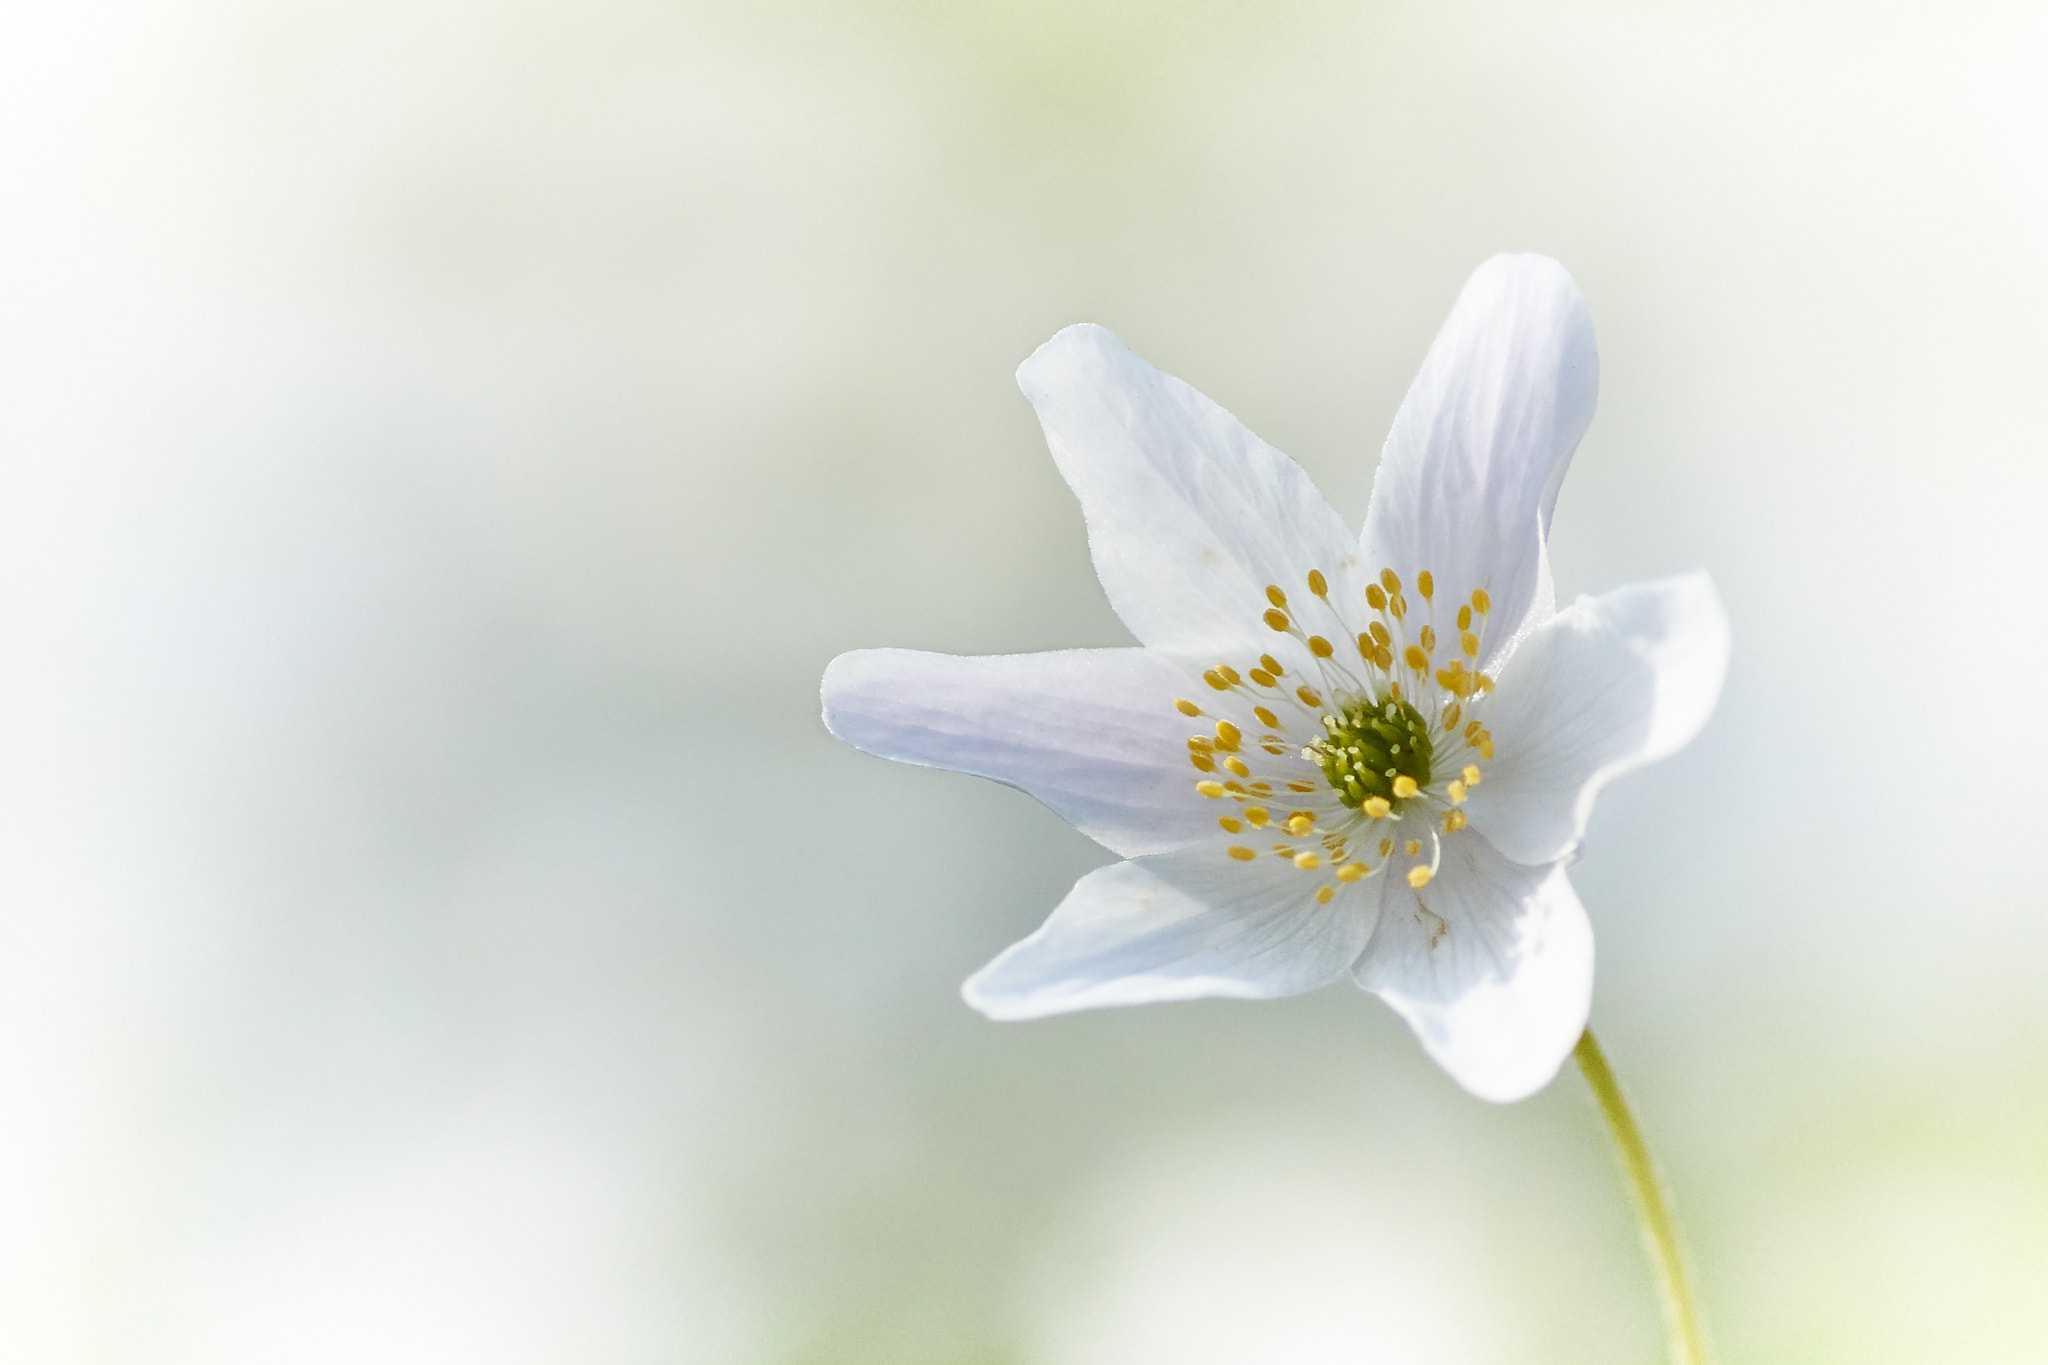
{"x": 1660, "y": 1234}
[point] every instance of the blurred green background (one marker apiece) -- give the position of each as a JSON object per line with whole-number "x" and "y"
{"x": 442, "y": 442}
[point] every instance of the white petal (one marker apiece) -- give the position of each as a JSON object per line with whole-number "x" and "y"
{"x": 1610, "y": 684}
{"x": 1480, "y": 444}
{"x": 1491, "y": 964}
{"x": 1090, "y": 732}
{"x": 1190, "y": 516}
{"x": 1178, "y": 927}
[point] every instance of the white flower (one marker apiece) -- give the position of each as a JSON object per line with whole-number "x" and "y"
{"x": 1328, "y": 757}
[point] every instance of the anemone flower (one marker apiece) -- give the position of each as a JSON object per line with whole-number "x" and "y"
{"x": 1330, "y": 756}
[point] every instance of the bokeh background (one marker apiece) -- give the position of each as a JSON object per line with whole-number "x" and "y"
{"x": 442, "y": 442}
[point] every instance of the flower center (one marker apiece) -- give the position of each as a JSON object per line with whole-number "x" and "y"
{"x": 1373, "y": 748}
{"x": 1360, "y": 748}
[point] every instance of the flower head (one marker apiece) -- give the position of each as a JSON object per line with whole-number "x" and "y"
{"x": 1330, "y": 756}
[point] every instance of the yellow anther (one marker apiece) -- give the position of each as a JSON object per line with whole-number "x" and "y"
{"x": 1486, "y": 749}
{"x": 1404, "y": 787}
{"x": 1258, "y": 816}
{"x": 1472, "y": 729}
{"x": 1227, "y": 735}
{"x": 1237, "y": 787}
{"x": 1352, "y": 872}
{"x": 1397, "y": 607}
{"x": 1485, "y": 682}
{"x": 1390, "y": 581}
{"x": 1212, "y": 790}
{"x": 1262, "y": 788}
{"x": 1412, "y": 848}
{"x": 1415, "y": 658}
{"x": 1419, "y": 875}
{"x": 1276, "y": 619}
{"x": 1471, "y": 775}
{"x": 1320, "y": 647}
{"x": 1464, "y": 618}
{"x": 1425, "y": 585}
{"x": 1451, "y": 717}
{"x": 1241, "y": 853}
{"x": 1230, "y": 826}
{"x": 1300, "y": 823}
{"x": 1386, "y": 848}
{"x": 1378, "y": 807}
{"x": 1236, "y": 765}
{"x": 1215, "y": 680}
{"x": 1186, "y": 707}
{"x": 1427, "y": 639}
{"x": 1384, "y": 658}
{"x": 1261, "y": 677}
{"x": 1468, "y": 644}
{"x": 1374, "y": 598}
{"x": 1303, "y": 787}
{"x": 1324, "y": 894}
{"x": 1266, "y": 718}
{"x": 1454, "y": 821}
{"x": 1202, "y": 762}
{"x": 1366, "y": 648}
{"x": 1307, "y": 862}
{"x": 1481, "y": 603}
{"x": 1394, "y": 689}
{"x": 1229, "y": 674}
{"x": 1275, "y": 596}
{"x": 1317, "y": 584}
{"x": 1455, "y": 791}
{"x": 1309, "y": 697}
{"x": 1201, "y": 744}
{"x": 1272, "y": 665}
{"x": 1379, "y": 634}
{"x": 1447, "y": 679}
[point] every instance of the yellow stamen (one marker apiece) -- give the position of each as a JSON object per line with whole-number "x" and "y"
{"x": 1412, "y": 848}
{"x": 1481, "y": 603}
{"x": 1427, "y": 639}
{"x": 1212, "y": 790}
{"x": 1201, "y": 744}
{"x": 1272, "y": 665}
{"x": 1486, "y": 749}
{"x": 1471, "y": 775}
{"x": 1230, "y": 826}
{"x": 1464, "y": 618}
{"x": 1397, "y": 607}
{"x": 1324, "y": 894}
{"x": 1317, "y": 584}
{"x": 1229, "y": 674}
{"x": 1186, "y": 707}
{"x": 1258, "y": 816}
{"x": 1386, "y": 848}
{"x": 1379, "y": 634}
{"x": 1300, "y": 823}
{"x": 1454, "y": 821}
{"x": 1455, "y": 790}
{"x": 1203, "y": 762}
{"x": 1308, "y": 697}
{"x": 1378, "y": 807}
{"x": 1390, "y": 581}
{"x": 1267, "y": 718}
{"x": 1374, "y": 598}
{"x": 1307, "y": 862}
{"x": 1485, "y": 682}
{"x": 1241, "y": 853}
{"x": 1415, "y": 658}
{"x": 1261, "y": 677}
{"x": 1451, "y": 717}
{"x": 1236, "y": 765}
{"x": 1275, "y": 596}
{"x": 1276, "y": 619}
{"x": 1215, "y": 680}
{"x": 1404, "y": 786}
{"x": 1468, "y": 644}
{"x": 1352, "y": 872}
{"x": 1419, "y": 875}
{"x": 1425, "y": 585}
{"x": 1320, "y": 647}
{"x": 1227, "y": 735}
{"x": 1302, "y": 787}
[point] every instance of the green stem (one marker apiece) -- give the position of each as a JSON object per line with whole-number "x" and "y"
{"x": 1660, "y": 1234}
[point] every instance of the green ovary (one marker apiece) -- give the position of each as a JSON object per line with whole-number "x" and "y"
{"x": 1367, "y": 745}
